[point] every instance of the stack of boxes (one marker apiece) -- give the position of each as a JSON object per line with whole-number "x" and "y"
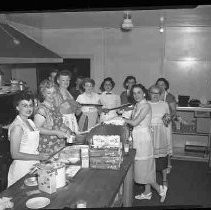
{"x": 105, "y": 152}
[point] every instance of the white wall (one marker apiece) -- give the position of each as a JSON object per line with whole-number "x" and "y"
{"x": 181, "y": 54}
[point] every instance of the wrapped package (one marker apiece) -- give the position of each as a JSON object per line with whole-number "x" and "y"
{"x": 46, "y": 178}
{"x": 110, "y": 152}
{"x": 111, "y": 160}
{"x": 105, "y": 166}
{"x": 106, "y": 141}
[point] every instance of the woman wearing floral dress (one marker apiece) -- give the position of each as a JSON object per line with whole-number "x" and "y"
{"x": 49, "y": 120}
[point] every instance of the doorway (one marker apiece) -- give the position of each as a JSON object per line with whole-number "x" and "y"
{"x": 81, "y": 66}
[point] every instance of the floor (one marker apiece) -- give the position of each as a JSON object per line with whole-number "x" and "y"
{"x": 189, "y": 185}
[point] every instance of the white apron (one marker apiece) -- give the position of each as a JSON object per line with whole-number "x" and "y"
{"x": 71, "y": 122}
{"x": 29, "y": 144}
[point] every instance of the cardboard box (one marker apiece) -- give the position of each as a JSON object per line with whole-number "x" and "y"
{"x": 105, "y": 166}
{"x": 47, "y": 179}
{"x": 110, "y": 152}
{"x": 106, "y": 141}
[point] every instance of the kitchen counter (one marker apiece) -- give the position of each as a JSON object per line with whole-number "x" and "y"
{"x": 98, "y": 187}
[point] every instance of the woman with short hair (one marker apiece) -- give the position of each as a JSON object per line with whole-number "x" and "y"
{"x": 161, "y": 136}
{"x": 49, "y": 120}
{"x": 89, "y": 97}
{"x": 108, "y": 99}
{"x": 24, "y": 139}
{"x": 144, "y": 168}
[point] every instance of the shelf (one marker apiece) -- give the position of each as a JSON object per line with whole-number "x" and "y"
{"x": 195, "y": 134}
{"x": 179, "y": 153}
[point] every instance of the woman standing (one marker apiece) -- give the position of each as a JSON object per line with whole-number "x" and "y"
{"x": 170, "y": 99}
{"x": 108, "y": 99}
{"x": 161, "y": 136}
{"x": 142, "y": 141}
{"x": 24, "y": 139}
{"x": 89, "y": 97}
{"x": 65, "y": 101}
{"x": 49, "y": 120}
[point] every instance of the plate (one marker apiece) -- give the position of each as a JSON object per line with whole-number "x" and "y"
{"x": 31, "y": 181}
{"x": 37, "y": 202}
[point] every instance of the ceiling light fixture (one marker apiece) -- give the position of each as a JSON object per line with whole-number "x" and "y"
{"x": 161, "y": 28}
{"x": 127, "y": 24}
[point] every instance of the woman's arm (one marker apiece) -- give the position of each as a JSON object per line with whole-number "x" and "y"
{"x": 142, "y": 114}
{"x": 39, "y": 121}
{"x": 15, "y": 141}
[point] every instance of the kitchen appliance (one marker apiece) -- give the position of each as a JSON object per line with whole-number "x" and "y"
{"x": 183, "y": 100}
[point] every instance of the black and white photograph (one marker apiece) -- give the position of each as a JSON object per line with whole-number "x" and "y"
{"x": 105, "y": 105}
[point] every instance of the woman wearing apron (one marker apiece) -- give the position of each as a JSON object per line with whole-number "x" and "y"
{"x": 108, "y": 99}
{"x": 170, "y": 99}
{"x": 24, "y": 139}
{"x": 144, "y": 168}
{"x": 89, "y": 97}
{"x": 67, "y": 105}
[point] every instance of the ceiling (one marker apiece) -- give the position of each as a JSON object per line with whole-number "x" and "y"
{"x": 199, "y": 16}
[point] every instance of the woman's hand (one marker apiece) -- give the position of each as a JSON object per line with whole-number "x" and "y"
{"x": 61, "y": 134}
{"x": 43, "y": 156}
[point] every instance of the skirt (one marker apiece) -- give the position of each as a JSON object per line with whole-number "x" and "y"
{"x": 144, "y": 167}
{"x": 162, "y": 143}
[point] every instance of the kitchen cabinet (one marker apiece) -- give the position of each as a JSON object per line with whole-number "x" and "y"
{"x": 191, "y": 137}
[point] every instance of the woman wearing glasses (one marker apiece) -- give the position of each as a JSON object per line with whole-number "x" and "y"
{"x": 161, "y": 136}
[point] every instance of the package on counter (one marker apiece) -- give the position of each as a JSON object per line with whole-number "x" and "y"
{"x": 111, "y": 152}
{"x": 105, "y": 166}
{"x": 71, "y": 154}
{"x": 106, "y": 141}
{"x": 46, "y": 178}
{"x": 84, "y": 150}
{"x": 105, "y": 160}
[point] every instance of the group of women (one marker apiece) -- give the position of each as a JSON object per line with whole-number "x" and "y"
{"x": 59, "y": 114}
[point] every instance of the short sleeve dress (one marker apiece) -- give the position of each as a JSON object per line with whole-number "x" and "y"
{"x": 53, "y": 121}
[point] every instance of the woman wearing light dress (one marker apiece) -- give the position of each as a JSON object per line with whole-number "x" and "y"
{"x": 161, "y": 134}
{"x": 24, "y": 139}
{"x": 144, "y": 168}
{"x": 89, "y": 97}
{"x": 108, "y": 99}
{"x": 170, "y": 99}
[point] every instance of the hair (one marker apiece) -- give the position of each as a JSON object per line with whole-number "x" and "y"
{"x": 127, "y": 79}
{"x": 25, "y": 95}
{"x": 64, "y": 72}
{"x": 163, "y": 80}
{"x": 54, "y": 71}
{"x": 109, "y": 79}
{"x": 150, "y": 89}
{"x": 88, "y": 80}
{"x": 45, "y": 84}
{"x": 145, "y": 91}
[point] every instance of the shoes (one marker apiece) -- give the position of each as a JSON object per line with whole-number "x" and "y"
{"x": 163, "y": 191}
{"x": 143, "y": 196}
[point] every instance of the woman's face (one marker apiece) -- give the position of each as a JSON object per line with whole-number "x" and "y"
{"x": 88, "y": 87}
{"x": 108, "y": 86}
{"x": 138, "y": 94}
{"x": 49, "y": 94}
{"x": 25, "y": 108}
{"x": 162, "y": 85}
{"x": 52, "y": 76}
{"x": 63, "y": 81}
{"x": 130, "y": 83}
{"x": 155, "y": 94}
